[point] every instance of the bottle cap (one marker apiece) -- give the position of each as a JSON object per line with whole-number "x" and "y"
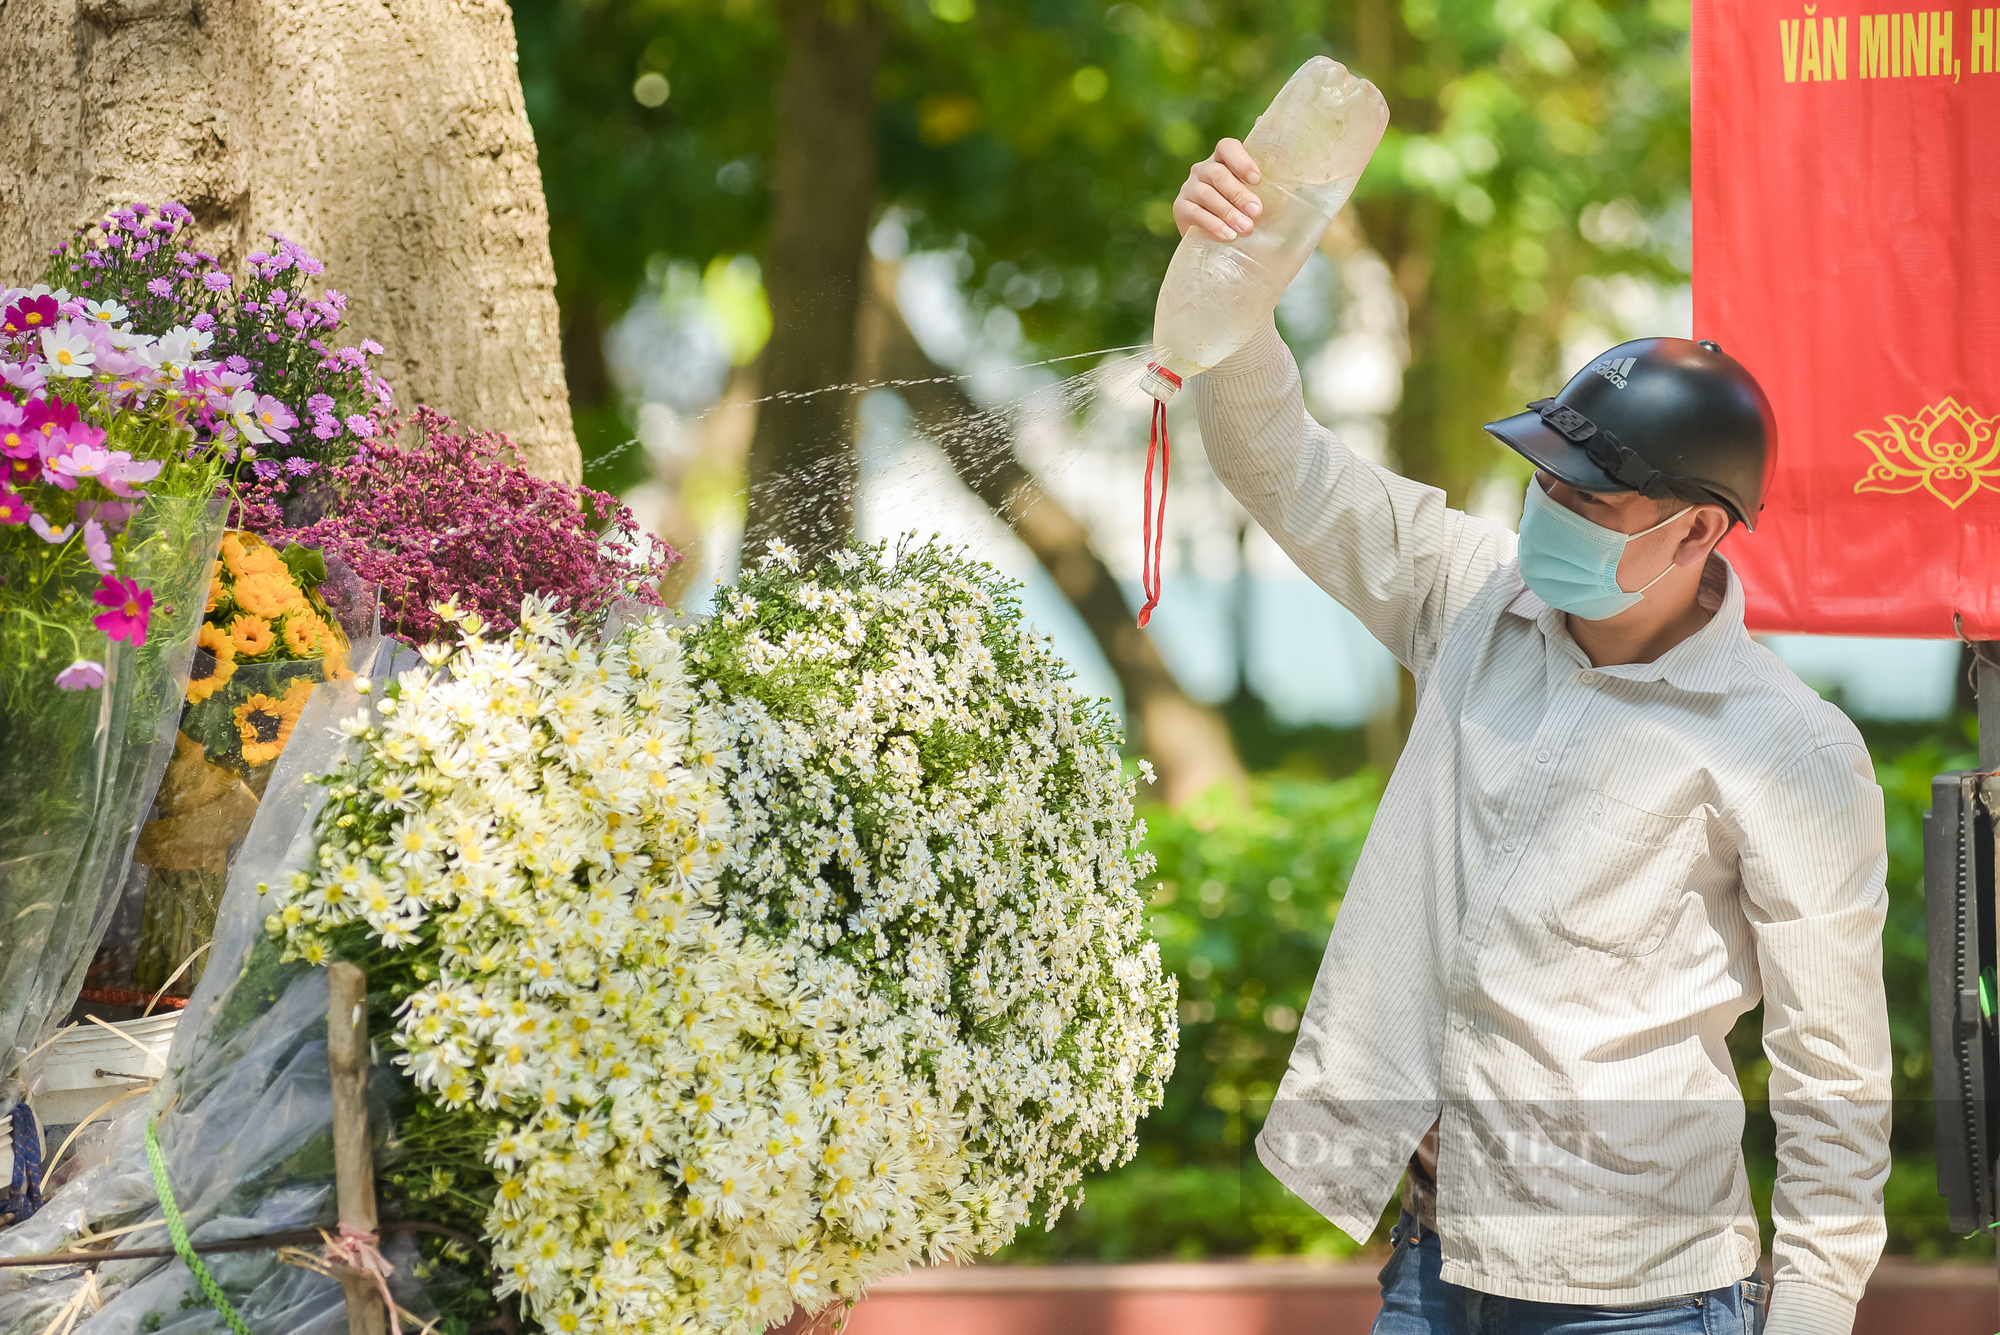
{"x": 1159, "y": 382}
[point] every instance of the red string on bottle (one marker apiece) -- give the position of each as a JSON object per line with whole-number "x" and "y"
{"x": 1155, "y": 528}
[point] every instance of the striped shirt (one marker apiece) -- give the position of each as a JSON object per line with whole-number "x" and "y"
{"x": 1577, "y": 880}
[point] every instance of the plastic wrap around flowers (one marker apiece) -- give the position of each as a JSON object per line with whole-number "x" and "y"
{"x": 772, "y": 956}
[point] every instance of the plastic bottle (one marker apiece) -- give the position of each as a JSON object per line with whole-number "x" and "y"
{"x": 1310, "y": 147}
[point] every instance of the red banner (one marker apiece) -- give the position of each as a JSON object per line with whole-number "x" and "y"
{"x": 1847, "y": 251}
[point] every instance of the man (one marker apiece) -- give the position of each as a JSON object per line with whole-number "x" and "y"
{"x": 1618, "y": 824}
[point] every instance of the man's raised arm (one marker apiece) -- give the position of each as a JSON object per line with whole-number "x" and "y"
{"x": 1389, "y": 549}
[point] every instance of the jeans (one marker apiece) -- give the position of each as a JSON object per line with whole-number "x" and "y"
{"x": 1416, "y": 1301}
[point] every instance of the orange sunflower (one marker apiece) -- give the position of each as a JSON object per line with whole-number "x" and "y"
{"x": 214, "y": 663}
{"x": 265, "y": 722}
{"x": 264, "y": 594}
{"x": 217, "y": 590}
{"x": 247, "y": 554}
{"x": 251, "y": 635}
{"x": 232, "y": 553}
{"x": 305, "y": 635}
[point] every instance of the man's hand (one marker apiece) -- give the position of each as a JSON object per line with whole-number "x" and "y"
{"x": 1217, "y": 197}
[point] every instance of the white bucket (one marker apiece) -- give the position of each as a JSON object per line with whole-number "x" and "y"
{"x": 88, "y": 1065}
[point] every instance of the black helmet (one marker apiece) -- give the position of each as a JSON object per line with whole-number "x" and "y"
{"x": 1661, "y": 416}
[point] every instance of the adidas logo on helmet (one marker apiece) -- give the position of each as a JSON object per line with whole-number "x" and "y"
{"x": 1616, "y": 370}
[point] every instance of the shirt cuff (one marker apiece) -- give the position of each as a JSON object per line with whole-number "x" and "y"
{"x": 1799, "y": 1308}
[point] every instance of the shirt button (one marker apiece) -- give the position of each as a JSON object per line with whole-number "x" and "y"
{"x": 1507, "y": 847}
{"x": 1542, "y": 756}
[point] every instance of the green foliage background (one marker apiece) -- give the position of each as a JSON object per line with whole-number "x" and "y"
{"x": 1243, "y": 903}
{"x": 1044, "y": 141}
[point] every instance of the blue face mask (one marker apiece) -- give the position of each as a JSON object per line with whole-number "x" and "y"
{"x": 1572, "y": 564}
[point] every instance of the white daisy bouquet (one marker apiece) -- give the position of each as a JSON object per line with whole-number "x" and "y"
{"x": 736, "y": 966}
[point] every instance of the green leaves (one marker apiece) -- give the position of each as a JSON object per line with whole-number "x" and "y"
{"x": 307, "y": 564}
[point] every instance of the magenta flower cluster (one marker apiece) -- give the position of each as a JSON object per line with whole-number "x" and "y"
{"x": 451, "y": 516}
{"x": 70, "y": 369}
{"x": 310, "y": 400}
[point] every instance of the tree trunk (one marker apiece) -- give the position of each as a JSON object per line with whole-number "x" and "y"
{"x": 1187, "y": 741}
{"x": 802, "y": 459}
{"x": 388, "y": 139}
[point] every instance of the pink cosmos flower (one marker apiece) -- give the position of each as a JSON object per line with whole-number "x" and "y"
{"x": 73, "y": 460}
{"x": 50, "y": 533}
{"x": 28, "y": 314}
{"x": 44, "y": 415}
{"x": 97, "y": 546}
{"x": 131, "y": 608}
{"x": 16, "y": 440}
{"x": 13, "y": 510}
{"x": 85, "y": 674}
{"x": 24, "y": 375}
{"x": 114, "y": 515}
{"x": 275, "y": 418}
{"x": 125, "y": 472}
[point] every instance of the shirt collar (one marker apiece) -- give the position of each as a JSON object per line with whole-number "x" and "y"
{"x": 1702, "y": 663}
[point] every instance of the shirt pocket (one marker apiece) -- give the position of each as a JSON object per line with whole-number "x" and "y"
{"x": 1621, "y": 876}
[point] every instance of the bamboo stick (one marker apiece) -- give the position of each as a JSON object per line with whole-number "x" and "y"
{"x": 353, "y": 1164}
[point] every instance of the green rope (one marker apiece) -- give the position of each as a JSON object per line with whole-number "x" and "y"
{"x": 210, "y": 1289}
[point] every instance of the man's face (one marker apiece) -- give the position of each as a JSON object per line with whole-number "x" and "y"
{"x": 1630, "y": 512}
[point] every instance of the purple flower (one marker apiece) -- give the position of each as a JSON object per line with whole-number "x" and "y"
{"x": 294, "y": 320}
{"x": 352, "y": 357}
{"x": 299, "y": 467}
{"x": 279, "y": 297}
{"x": 97, "y": 546}
{"x": 50, "y": 533}
{"x": 160, "y": 287}
{"x": 259, "y": 258}
{"x": 204, "y": 322}
{"x": 325, "y": 426}
{"x": 238, "y": 364}
{"x": 215, "y": 281}
{"x": 371, "y": 347}
{"x": 85, "y": 674}
{"x": 267, "y": 470}
{"x": 13, "y": 510}
{"x": 319, "y": 405}
{"x": 361, "y": 425}
{"x": 451, "y": 515}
